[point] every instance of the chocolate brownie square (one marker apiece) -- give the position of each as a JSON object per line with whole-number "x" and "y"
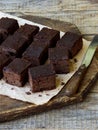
{"x": 72, "y": 41}
{"x": 4, "y": 60}
{"x": 49, "y": 35}
{"x": 14, "y": 45}
{"x": 9, "y": 24}
{"x": 16, "y": 73}
{"x": 42, "y": 78}
{"x": 60, "y": 59}
{"x": 36, "y": 53}
{"x": 28, "y": 31}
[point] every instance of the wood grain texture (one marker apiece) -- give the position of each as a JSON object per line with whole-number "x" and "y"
{"x": 12, "y": 109}
{"x": 83, "y": 13}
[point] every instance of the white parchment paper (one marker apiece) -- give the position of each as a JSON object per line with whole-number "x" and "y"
{"x": 24, "y": 93}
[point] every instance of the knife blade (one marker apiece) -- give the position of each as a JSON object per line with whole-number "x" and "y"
{"x": 74, "y": 83}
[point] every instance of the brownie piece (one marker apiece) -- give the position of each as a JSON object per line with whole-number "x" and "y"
{"x": 4, "y": 60}
{"x": 36, "y": 53}
{"x": 28, "y": 31}
{"x": 16, "y": 73}
{"x": 9, "y": 24}
{"x": 3, "y": 35}
{"x": 42, "y": 78}
{"x": 60, "y": 59}
{"x": 14, "y": 45}
{"x": 49, "y": 35}
{"x": 72, "y": 41}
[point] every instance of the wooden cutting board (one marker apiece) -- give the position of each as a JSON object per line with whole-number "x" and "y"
{"x": 12, "y": 109}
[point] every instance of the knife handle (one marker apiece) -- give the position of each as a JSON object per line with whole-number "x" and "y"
{"x": 74, "y": 82}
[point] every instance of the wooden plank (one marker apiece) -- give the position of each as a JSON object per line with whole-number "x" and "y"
{"x": 12, "y": 109}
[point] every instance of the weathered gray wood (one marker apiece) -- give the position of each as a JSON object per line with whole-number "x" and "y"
{"x": 83, "y": 13}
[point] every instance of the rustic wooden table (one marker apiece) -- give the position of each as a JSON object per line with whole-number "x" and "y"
{"x": 82, "y": 13}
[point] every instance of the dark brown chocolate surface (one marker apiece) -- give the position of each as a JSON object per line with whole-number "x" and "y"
{"x": 4, "y": 60}
{"x": 42, "y": 78}
{"x": 28, "y": 31}
{"x": 14, "y": 44}
{"x": 36, "y": 53}
{"x": 72, "y": 41}
{"x": 59, "y": 57}
{"x": 9, "y": 24}
{"x": 42, "y": 70}
{"x": 49, "y": 35}
{"x": 16, "y": 73}
{"x": 11, "y": 109}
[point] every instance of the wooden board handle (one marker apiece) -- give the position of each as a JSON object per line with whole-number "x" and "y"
{"x": 75, "y": 81}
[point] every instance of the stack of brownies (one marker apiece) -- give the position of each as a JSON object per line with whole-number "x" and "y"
{"x": 24, "y": 51}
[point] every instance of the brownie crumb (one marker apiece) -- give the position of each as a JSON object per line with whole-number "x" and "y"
{"x": 75, "y": 60}
{"x": 40, "y": 95}
{"x": 12, "y": 88}
{"x": 62, "y": 83}
{"x": 28, "y": 93}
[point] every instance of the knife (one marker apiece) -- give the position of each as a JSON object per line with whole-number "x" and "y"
{"x": 74, "y": 83}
